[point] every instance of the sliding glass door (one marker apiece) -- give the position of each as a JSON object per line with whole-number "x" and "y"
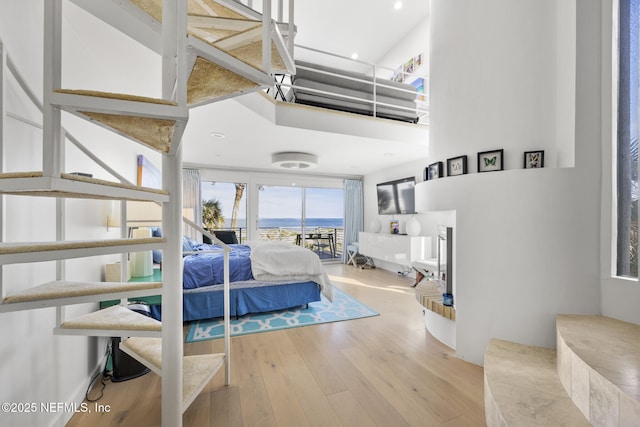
{"x": 279, "y": 213}
{"x": 306, "y": 216}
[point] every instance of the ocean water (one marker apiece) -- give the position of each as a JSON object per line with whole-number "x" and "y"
{"x": 292, "y": 223}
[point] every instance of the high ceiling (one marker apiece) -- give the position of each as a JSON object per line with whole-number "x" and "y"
{"x": 338, "y": 26}
{"x": 369, "y": 27}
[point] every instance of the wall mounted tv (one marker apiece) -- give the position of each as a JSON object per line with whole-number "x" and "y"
{"x": 397, "y": 197}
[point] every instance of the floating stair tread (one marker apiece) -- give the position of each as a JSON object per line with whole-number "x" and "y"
{"x": 156, "y": 132}
{"x": 247, "y": 47}
{"x": 197, "y": 369}
{"x": 522, "y": 387}
{"x": 209, "y": 81}
{"x": 120, "y": 96}
{"x": 21, "y": 248}
{"x": 212, "y": 28}
{"x": 610, "y": 347}
{"x": 34, "y": 183}
{"x": 115, "y": 317}
{"x": 194, "y": 7}
{"x": 62, "y": 289}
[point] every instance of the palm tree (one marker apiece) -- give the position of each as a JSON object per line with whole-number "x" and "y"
{"x": 236, "y": 203}
{"x": 212, "y": 214}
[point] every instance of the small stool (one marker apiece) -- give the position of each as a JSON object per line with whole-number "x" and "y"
{"x": 352, "y": 251}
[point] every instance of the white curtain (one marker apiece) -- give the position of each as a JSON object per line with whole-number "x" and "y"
{"x": 353, "y": 213}
{"x": 191, "y": 206}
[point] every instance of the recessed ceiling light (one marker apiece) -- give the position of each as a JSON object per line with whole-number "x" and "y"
{"x": 397, "y": 5}
{"x": 217, "y": 134}
{"x": 354, "y": 55}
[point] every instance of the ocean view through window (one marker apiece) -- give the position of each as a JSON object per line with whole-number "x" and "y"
{"x": 308, "y": 216}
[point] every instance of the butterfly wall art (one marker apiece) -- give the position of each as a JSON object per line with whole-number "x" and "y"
{"x": 489, "y": 161}
{"x": 534, "y": 159}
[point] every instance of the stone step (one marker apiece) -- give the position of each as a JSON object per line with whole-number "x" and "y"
{"x": 522, "y": 388}
{"x": 197, "y": 369}
{"x": 599, "y": 366}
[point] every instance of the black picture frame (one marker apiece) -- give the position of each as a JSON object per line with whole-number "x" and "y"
{"x": 435, "y": 170}
{"x": 457, "y": 166}
{"x": 491, "y": 161}
{"x": 534, "y": 159}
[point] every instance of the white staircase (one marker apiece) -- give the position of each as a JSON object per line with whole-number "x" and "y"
{"x": 211, "y": 51}
{"x": 592, "y": 379}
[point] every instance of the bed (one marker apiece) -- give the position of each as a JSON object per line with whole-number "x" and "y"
{"x": 264, "y": 276}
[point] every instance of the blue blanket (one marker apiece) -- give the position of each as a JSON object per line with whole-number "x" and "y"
{"x": 206, "y": 269}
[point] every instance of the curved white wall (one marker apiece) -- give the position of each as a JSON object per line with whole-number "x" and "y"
{"x": 527, "y": 241}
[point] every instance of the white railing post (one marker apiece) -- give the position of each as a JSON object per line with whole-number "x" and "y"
{"x": 375, "y": 90}
{"x": 266, "y": 36}
{"x": 174, "y": 26}
{"x": 290, "y": 40}
{"x": 52, "y": 133}
{"x": 280, "y": 11}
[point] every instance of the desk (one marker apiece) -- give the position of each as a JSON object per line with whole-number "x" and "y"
{"x": 317, "y": 239}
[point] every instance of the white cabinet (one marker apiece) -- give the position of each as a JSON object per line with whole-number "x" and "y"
{"x": 395, "y": 248}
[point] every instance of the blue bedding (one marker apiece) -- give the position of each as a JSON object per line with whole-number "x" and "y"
{"x": 206, "y": 269}
{"x": 203, "y": 289}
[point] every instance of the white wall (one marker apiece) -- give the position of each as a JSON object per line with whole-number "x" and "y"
{"x": 429, "y": 221}
{"x": 527, "y": 241}
{"x": 36, "y": 365}
{"x": 415, "y": 42}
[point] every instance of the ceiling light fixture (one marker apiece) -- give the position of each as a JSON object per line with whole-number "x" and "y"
{"x": 354, "y": 55}
{"x": 292, "y": 160}
{"x": 397, "y": 5}
{"x": 217, "y": 134}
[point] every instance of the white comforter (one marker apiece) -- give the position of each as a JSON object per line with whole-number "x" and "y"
{"x": 276, "y": 261}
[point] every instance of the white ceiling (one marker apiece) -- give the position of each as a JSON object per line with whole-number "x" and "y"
{"x": 250, "y": 139}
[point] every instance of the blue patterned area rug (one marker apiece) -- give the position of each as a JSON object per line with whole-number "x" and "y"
{"x": 344, "y": 307}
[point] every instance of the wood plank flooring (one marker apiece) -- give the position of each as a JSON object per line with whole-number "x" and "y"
{"x": 385, "y": 370}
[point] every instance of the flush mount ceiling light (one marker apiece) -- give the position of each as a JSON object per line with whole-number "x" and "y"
{"x": 397, "y": 5}
{"x": 291, "y": 160}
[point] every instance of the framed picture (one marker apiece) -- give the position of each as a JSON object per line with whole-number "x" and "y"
{"x": 489, "y": 161}
{"x": 148, "y": 174}
{"x": 394, "y": 227}
{"x": 457, "y": 166}
{"x": 434, "y": 171}
{"x": 534, "y": 159}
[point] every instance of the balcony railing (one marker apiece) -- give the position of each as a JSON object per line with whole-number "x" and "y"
{"x": 291, "y": 235}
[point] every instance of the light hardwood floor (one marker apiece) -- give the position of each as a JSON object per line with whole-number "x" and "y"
{"x": 385, "y": 370}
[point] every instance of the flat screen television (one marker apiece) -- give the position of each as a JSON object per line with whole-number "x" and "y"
{"x": 397, "y": 197}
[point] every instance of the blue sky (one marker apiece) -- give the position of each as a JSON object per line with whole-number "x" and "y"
{"x": 280, "y": 202}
